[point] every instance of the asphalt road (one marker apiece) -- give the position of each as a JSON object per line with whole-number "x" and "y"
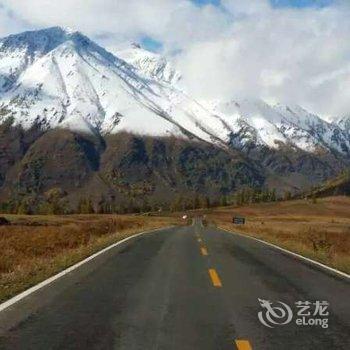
{"x": 181, "y": 288}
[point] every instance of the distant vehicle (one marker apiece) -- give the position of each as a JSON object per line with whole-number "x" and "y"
{"x": 185, "y": 217}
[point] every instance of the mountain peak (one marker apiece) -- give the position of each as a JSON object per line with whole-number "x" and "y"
{"x": 20, "y": 51}
{"x": 59, "y": 77}
{"x": 135, "y": 45}
{"x": 40, "y": 42}
{"x": 58, "y": 33}
{"x": 150, "y": 64}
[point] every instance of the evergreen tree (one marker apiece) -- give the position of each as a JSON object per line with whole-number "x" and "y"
{"x": 287, "y": 195}
{"x": 24, "y": 208}
{"x": 273, "y": 196}
{"x": 223, "y": 201}
{"x": 85, "y": 206}
{"x": 196, "y": 201}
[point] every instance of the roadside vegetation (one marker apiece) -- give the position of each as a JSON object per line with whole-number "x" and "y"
{"x": 318, "y": 228}
{"x": 36, "y": 247}
{"x": 339, "y": 185}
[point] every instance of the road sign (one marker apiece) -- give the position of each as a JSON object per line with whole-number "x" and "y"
{"x": 238, "y": 220}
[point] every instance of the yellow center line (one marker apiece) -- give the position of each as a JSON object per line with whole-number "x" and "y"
{"x": 215, "y": 278}
{"x": 243, "y": 345}
{"x": 204, "y": 251}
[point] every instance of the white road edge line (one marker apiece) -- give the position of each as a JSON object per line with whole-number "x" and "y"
{"x": 314, "y": 262}
{"x": 46, "y": 282}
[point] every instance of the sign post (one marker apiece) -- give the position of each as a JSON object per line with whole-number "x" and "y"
{"x": 238, "y": 220}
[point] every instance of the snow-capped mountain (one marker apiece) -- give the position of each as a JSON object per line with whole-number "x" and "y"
{"x": 60, "y": 78}
{"x": 344, "y": 123}
{"x": 149, "y": 64}
{"x": 262, "y": 124}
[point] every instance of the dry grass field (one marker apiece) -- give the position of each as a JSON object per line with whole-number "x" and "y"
{"x": 36, "y": 247}
{"x": 319, "y": 230}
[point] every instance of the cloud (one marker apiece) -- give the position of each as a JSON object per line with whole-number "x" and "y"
{"x": 9, "y": 24}
{"x": 235, "y": 50}
{"x": 299, "y": 56}
{"x": 174, "y": 22}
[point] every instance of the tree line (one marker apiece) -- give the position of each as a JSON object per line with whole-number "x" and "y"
{"x": 55, "y": 202}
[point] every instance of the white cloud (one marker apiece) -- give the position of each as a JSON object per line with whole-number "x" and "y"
{"x": 243, "y": 49}
{"x": 289, "y": 55}
{"x": 9, "y": 24}
{"x": 174, "y": 22}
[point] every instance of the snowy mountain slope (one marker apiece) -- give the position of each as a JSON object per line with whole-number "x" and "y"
{"x": 262, "y": 124}
{"x": 18, "y": 52}
{"x": 149, "y": 64}
{"x": 344, "y": 124}
{"x": 319, "y": 132}
{"x": 69, "y": 84}
{"x": 59, "y": 78}
{"x": 65, "y": 80}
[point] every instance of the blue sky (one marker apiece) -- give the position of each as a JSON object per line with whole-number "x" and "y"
{"x": 301, "y": 3}
{"x": 204, "y": 2}
{"x": 280, "y": 3}
{"x": 151, "y": 44}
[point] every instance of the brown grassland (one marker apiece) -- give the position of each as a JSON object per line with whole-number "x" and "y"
{"x": 36, "y": 247}
{"x": 317, "y": 229}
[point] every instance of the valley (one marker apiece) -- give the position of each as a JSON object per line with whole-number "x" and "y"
{"x": 74, "y": 116}
{"x": 174, "y": 175}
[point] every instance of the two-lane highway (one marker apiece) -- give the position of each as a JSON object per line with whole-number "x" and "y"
{"x": 180, "y": 288}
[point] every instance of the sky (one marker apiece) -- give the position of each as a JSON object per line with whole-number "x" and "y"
{"x": 287, "y": 51}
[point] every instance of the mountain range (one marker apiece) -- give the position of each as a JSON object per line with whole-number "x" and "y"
{"x": 57, "y": 82}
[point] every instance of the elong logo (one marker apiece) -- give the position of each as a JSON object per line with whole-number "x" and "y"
{"x": 279, "y": 313}
{"x": 274, "y": 315}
